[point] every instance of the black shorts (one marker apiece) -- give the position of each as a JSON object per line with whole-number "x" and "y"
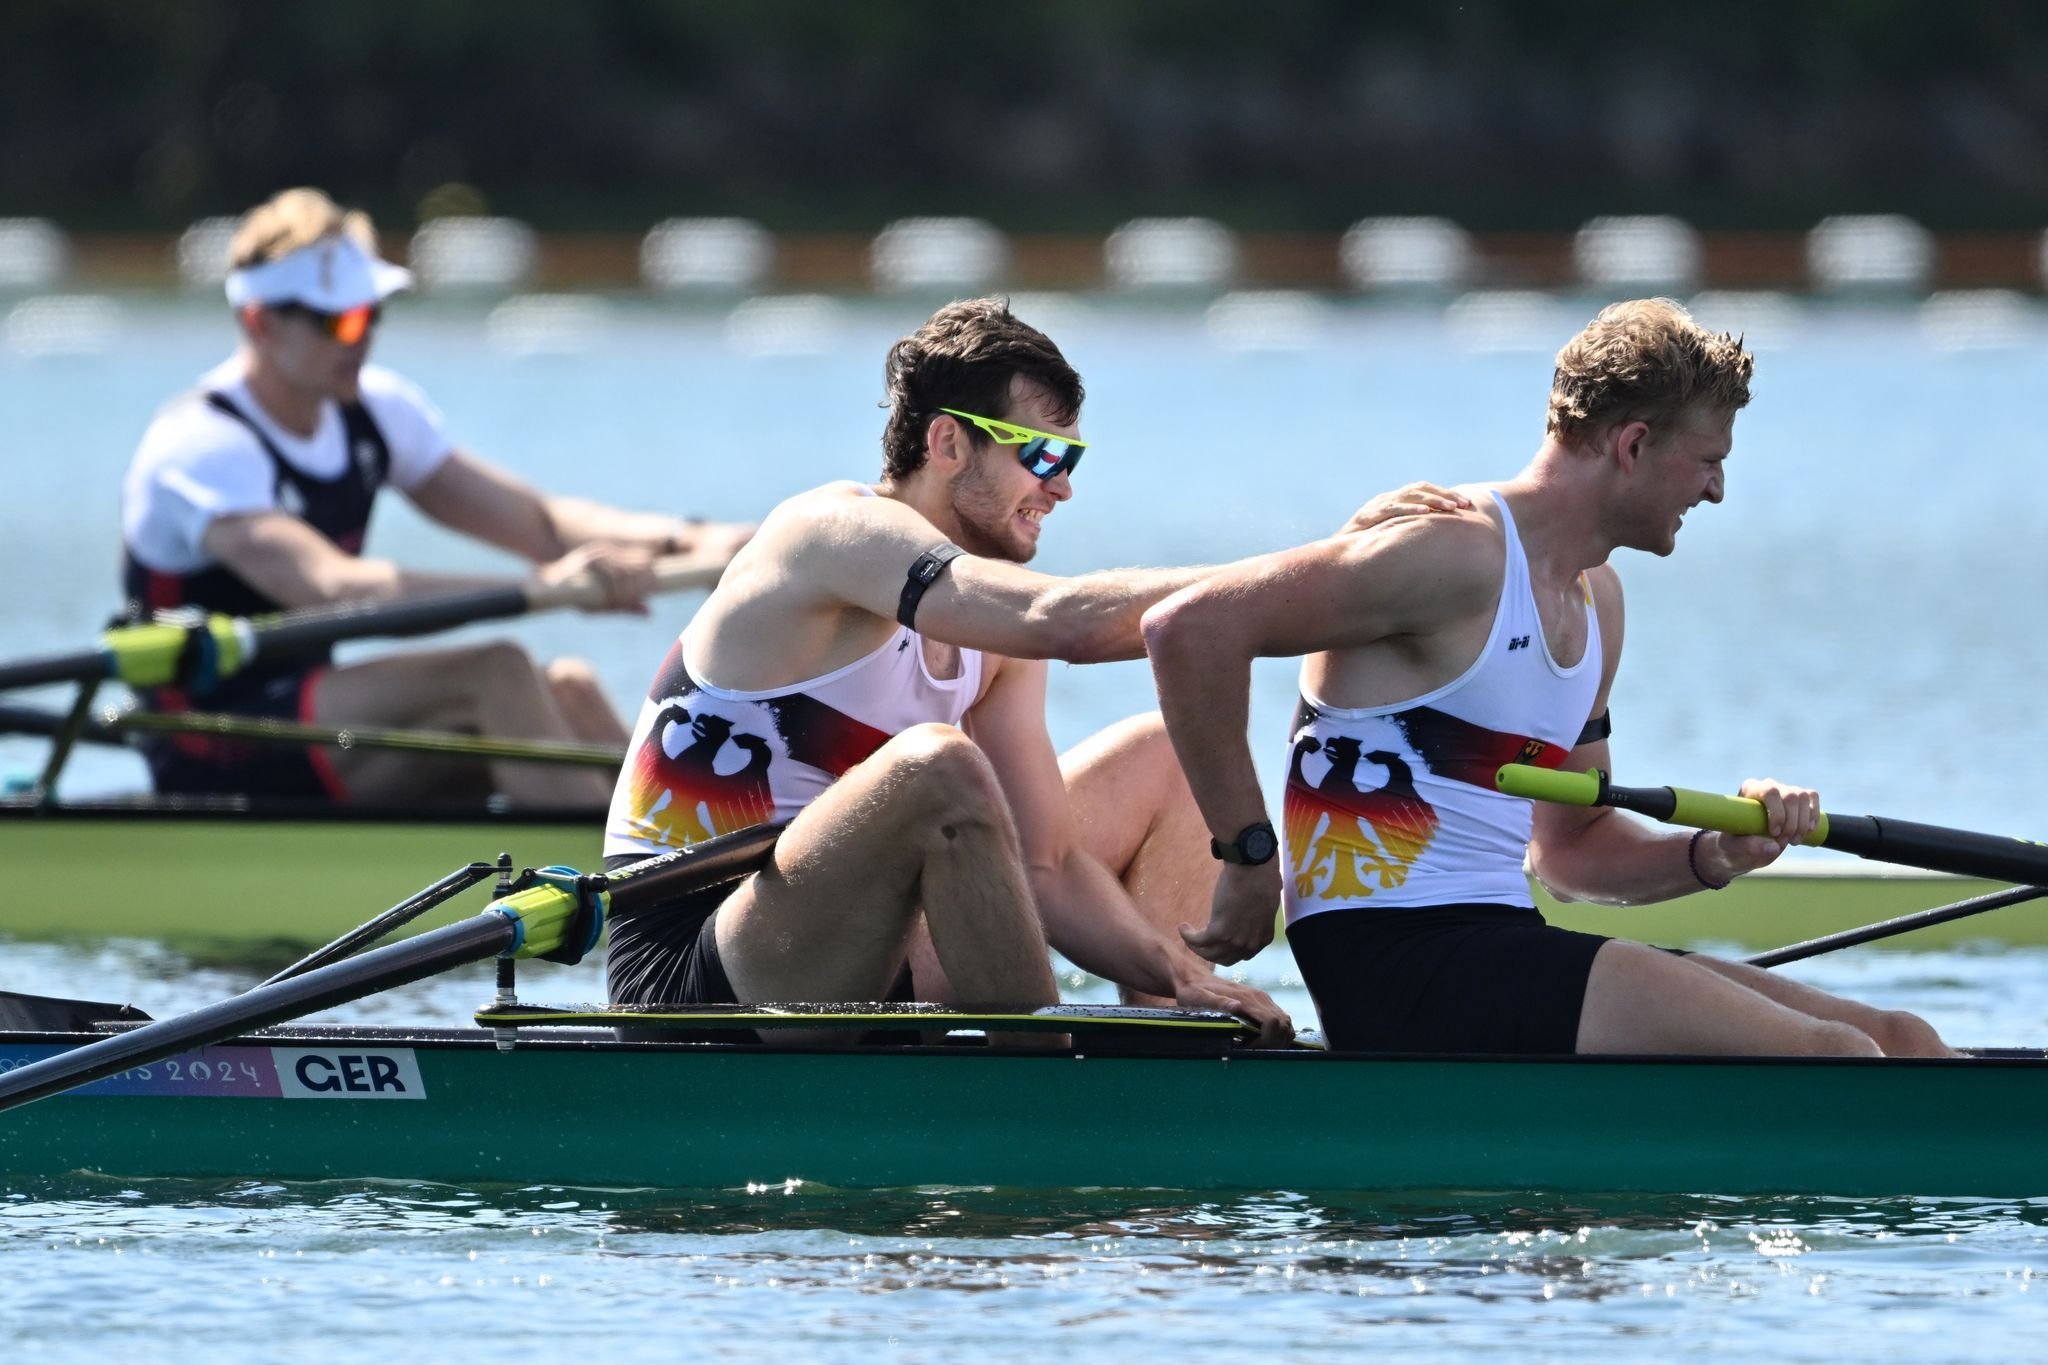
{"x": 1448, "y": 978}
{"x": 225, "y": 766}
{"x": 667, "y": 954}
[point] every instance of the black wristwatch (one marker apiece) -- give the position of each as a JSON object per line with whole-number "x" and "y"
{"x": 1253, "y": 845}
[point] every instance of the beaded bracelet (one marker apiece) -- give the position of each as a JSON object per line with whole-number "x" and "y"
{"x": 1692, "y": 860}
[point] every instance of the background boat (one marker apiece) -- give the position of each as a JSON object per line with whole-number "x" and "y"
{"x": 244, "y": 882}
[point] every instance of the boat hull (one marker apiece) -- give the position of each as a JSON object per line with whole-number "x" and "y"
{"x": 449, "y": 1107}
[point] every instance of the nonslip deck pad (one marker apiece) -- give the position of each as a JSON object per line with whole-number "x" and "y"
{"x": 1090, "y": 1019}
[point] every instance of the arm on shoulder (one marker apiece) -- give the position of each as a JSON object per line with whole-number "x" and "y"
{"x": 858, "y": 550}
{"x": 1402, "y": 578}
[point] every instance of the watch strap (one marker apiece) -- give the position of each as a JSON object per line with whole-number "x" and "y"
{"x": 1235, "y": 851}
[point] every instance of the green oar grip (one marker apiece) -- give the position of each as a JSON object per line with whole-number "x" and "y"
{"x": 1550, "y": 784}
{"x": 1678, "y": 805}
{"x": 1730, "y": 814}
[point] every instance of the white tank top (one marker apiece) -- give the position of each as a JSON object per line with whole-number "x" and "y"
{"x": 1395, "y": 806}
{"x": 707, "y": 760}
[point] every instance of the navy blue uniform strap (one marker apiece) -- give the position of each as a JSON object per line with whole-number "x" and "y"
{"x": 924, "y": 572}
{"x": 281, "y": 467}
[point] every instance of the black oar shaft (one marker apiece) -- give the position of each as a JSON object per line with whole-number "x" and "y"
{"x": 68, "y": 730}
{"x": 1902, "y": 924}
{"x": 1881, "y": 837}
{"x": 147, "y": 655}
{"x": 296, "y": 634}
{"x": 79, "y": 667}
{"x": 407, "y": 910}
{"x": 1961, "y": 851}
{"x": 31, "y": 720}
{"x": 724, "y": 858}
{"x": 1939, "y": 849}
{"x": 471, "y": 940}
{"x": 303, "y": 632}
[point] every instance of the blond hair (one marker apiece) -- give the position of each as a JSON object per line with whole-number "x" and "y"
{"x": 293, "y": 219}
{"x": 1644, "y": 360}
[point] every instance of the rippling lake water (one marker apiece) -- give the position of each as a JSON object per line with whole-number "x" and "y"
{"x": 187, "y": 1270}
{"x": 1860, "y": 616}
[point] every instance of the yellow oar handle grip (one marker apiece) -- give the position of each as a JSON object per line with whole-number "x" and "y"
{"x": 1550, "y": 784}
{"x": 1730, "y": 814}
{"x": 1678, "y": 805}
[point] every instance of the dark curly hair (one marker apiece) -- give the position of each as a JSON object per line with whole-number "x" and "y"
{"x": 964, "y": 356}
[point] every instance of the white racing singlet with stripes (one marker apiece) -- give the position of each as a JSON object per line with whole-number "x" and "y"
{"x": 707, "y": 760}
{"x": 1395, "y": 806}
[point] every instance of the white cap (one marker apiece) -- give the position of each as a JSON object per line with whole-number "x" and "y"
{"x": 332, "y": 275}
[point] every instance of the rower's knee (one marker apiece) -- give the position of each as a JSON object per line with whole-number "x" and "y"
{"x": 1142, "y": 732}
{"x": 574, "y": 678}
{"x": 946, "y": 772}
{"x": 1147, "y": 750}
{"x": 1832, "y": 1038}
{"x": 572, "y": 672}
{"x": 499, "y": 664}
{"x": 1901, "y": 1033}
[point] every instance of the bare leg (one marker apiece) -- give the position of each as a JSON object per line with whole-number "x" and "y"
{"x": 927, "y": 977}
{"x": 491, "y": 689}
{"x": 921, "y": 824}
{"x": 1134, "y": 812}
{"x": 583, "y": 703}
{"x": 1643, "y": 1000}
{"x": 1898, "y": 1032}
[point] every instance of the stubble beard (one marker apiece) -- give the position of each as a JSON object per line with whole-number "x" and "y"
{"x": 983, "y": 514}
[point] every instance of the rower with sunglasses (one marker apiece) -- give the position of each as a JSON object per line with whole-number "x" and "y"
{"x": 253, "y": 493}
{"x": 871, "y": 668}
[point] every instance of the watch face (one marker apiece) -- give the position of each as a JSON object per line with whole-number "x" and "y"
{"x": 1258, "y": 844}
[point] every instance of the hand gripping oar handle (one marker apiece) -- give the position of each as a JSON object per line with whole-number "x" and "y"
{"x": 1880, "y": 837}
{"x": 1676, "y": 805}
{"x": 674, "y": 573}
{"x": 160, "y": 653}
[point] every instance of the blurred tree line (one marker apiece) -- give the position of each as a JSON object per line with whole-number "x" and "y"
{"x": 1039, "y": 115}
